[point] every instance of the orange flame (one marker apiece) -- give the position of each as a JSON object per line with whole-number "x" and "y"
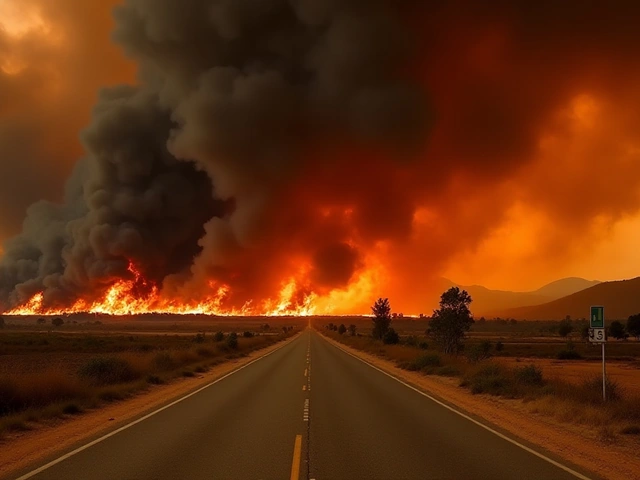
{"x": 123, "y": 298}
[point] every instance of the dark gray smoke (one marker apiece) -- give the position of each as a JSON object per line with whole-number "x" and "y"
{"x": 129, "y": 200}
{"x": 201, "y": 172}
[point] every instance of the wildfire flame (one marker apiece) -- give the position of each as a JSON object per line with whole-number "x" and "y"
{"x": 124, "y": 298}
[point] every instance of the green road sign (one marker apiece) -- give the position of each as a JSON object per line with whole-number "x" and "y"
{"x": 596, "y": 320}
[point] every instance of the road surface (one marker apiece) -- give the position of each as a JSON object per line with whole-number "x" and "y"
{"x": 306, "y": 411}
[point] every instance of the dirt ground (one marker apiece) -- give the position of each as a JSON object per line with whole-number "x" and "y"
{"x": 625, "y": 373}
{"x": 577, "y": 444}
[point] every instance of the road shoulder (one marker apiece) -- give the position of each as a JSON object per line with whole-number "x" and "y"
{"x": 575, "y": 444}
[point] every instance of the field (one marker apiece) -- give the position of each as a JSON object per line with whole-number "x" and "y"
{"x": 555, "y": 376}
{"x": 51, "y": 372}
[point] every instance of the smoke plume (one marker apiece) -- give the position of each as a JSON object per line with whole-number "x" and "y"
{"x": 333, "y": 141}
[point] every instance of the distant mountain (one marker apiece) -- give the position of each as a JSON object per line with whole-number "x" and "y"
{"x": 487, "y": 302}
{"x": 565, "y": 286}
{"x": 620, "y": 299}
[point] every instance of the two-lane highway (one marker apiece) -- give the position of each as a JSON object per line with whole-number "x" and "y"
{"x": 306, "y": 411}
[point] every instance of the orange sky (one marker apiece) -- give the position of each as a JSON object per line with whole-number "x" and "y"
{"x": 570, "y": 205}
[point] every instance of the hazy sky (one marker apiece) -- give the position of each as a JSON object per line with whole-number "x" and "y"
{"x": 527, "y": 168}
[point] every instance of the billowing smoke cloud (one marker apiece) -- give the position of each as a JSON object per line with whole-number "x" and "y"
{"x": 250, "y": 93}
{"x": 54, "y": 56}
{"x": 314, "y": 138}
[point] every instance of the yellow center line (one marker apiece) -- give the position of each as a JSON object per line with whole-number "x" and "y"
{"x": 304, "y": 387}
{"x": 297, "y": 452}
{"x": 305, "y": 372}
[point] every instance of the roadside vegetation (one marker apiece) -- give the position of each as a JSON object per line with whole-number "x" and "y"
{"x": 53, "y": 375}
{"x": 445, "y": 348}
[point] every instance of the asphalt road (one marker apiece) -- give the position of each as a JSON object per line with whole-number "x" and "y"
{"x": 306, "y": 411}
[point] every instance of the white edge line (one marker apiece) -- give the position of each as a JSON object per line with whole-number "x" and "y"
{"x": 142, "y": 419}
{"x": 463, "y": 415}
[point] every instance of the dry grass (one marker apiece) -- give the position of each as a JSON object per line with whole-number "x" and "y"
{"x": 110, "y": 375}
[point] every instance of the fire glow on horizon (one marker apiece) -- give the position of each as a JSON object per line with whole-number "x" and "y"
{"x": 135, "y": 297}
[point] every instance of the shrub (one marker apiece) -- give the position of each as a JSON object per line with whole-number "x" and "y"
{"x": 591, "y": 390}
{"x": 499, "y": 346}
{"x": 423, "y": 361}
{"x": 565, "y": 327}
{"x": 57, "y": 322}
{"x": 232, "y": 341}
{"x": 218, "y": 337}
{"x": 164, "y": 361}
{"x": 108, "y": 371}
{"x": 352, "y": 330}
{"x": 154, "y": 380}
{"x": 199, "y": 338}
{"x": 391, "y": 337}
{"x": 491, "y": 379}
{"x": 411, "y": 341}
{"x": 71, "y": 409}
{"x": 423, "y": 345}
{"x": 478, "y": 352}
{"x": 529, "y": 375}
{"x": 247, "y": 335}
{"x": 205, "y": 352}
{"x": 342, "y": 329}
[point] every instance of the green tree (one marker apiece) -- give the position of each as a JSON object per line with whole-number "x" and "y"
{"x": 352, "y": 330}
{"x": 381, "y": 318}
{"x": 452, "y": 320}
{"x": 616, "y": 330}
{"x": 633, "y": 325}
{"x": 57, "y": 322}
{"x": 342, "y": 329}
{"x": 218, "y": 337}
{"x": 565, "y": 327}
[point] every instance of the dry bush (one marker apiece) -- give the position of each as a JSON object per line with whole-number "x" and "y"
{"x": 164, "y": 361}
{"x": 108, "y": 371}
{"x": 36, "y": 390}
{"x": 185, "y": 357}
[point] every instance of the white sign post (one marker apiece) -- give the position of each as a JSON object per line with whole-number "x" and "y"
{"x": 597, "y": 334}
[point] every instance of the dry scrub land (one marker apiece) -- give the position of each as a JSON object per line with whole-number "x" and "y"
{"x": 525, "y": 375}
{"x": 50, "y": 373}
